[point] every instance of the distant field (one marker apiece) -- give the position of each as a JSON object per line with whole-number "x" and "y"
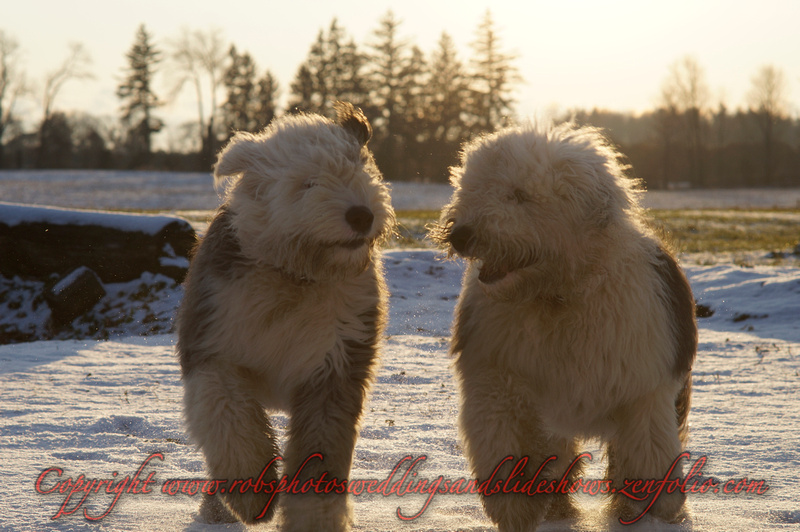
{"x": 687, "y": 231}
{"x": 719, "y": 223}
{"x": 713, "y": 231}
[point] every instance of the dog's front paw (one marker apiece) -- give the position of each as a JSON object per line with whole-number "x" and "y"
{"x": 669, "y": 507}
{"x": 516, "y": 512}
{"x": 562, "y": 507}
{"x": 321, "y": 513}
{"x": 250, "y": 508}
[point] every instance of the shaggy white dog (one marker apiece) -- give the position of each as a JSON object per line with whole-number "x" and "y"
{"x": 574, "y": 322}
{"x": 284, "y": 304}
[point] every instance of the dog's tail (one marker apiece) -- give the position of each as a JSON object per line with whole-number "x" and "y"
{"x": 683, "y": 404}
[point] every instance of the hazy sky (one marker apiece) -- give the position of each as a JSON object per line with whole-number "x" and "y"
{"x": 611, "y": 54}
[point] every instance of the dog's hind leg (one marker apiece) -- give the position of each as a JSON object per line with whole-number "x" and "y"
{"x": 323, "y": 428}
{"x": 236, "y": 437}
{"x": 498, "y": 421}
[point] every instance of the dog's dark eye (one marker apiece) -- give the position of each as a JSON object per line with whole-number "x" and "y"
{"x": 309, "y": 183}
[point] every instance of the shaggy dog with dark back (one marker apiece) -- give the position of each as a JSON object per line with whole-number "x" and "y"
{"x": 284, "y": 304}
{"x": 574, "y": 321}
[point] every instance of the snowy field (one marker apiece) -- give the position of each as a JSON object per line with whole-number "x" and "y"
{"x": 182, "y": 192}
{"x": 158, "y": 191}
{"x": 105, "y": 409}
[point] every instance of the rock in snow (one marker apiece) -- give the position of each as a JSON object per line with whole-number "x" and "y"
{"x": 74, "y": 295}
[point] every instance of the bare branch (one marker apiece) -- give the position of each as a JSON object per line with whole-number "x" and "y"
{"x": 199, "y": 57}
{"x": 685, "y": 88}
{"x": 768, "y": 92}
{"x": 12, "y": 79}
{"x": 75, "y": 66}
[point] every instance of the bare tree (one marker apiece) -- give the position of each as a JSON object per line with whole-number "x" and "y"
{"x": 769, "y": 105}
{"x": 685, "y": 94}
{"x": 686, "y": 85}
{"x": 200, "y": 58}
{"x": 75, "y": 66}
{"x": 666, "y": 125}
{"x": 12, "y": 83}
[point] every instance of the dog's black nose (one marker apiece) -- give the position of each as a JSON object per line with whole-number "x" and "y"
{"x": 359, "y": 218}
{"x": 460, "y": 238}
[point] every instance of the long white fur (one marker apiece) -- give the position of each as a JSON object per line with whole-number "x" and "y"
{"x": 576, "y": 340}
{"x": 281, "y": 290}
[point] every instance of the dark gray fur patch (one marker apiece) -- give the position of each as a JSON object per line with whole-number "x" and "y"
{"x": 683, "y": 403}
{"x": 218, "y": 256}
{"x": 220, "y": 251}
{"x": 463, "y": 324}
{"x": 352, "y": 119}
{"x": 681, "y": 303}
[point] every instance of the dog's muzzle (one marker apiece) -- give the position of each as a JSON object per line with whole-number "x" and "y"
{"x": 359, "y": 219}
{"x": 460, "y": 239}
{"x": 463, "y": 240}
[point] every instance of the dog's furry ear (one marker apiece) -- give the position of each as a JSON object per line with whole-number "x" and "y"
{"x": 352, "y": 119}
{"x": 235, "y": 157}
{"x": 596, "y": 201}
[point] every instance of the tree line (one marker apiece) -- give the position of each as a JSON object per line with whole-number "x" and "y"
{"x": 422, "y": 106}
{"x": 689, "y": 142}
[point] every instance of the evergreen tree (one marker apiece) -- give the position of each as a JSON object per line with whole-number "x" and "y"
{"x": 302, "y": 90}
{"x": 266, "y": 101}
{"x": 493, "y": 76}
{"x": 446, "y": 107}
{"x": 391, "y": 65}
{"x": 351, "y": 84}
{"x": 251, "y": 103}
{"x": 239, "y": 80}
{"x": 138, "y": 98}
{"x": 413, "y": 125}
{"x": 449, "y": 89}
{"x": 389, "y": 62}
{"x": 332, "y": 71}
{"x": 413, "y": 93}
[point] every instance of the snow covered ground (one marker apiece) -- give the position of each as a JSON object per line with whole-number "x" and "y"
{"x": 103, "y": 409}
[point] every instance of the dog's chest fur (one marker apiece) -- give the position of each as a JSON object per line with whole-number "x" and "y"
{"x": 278, "y": 330}
{"x": 284, "y": 332}
{"x": 574, "y": 361}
